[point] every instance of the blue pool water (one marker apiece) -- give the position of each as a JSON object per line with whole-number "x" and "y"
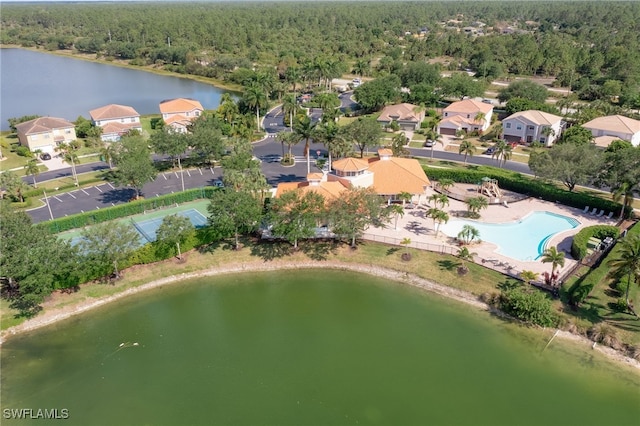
{"x": 522, "y": 240}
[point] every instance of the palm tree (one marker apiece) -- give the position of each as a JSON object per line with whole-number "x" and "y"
{"x": 467, "y": 148}
{"x": 405, "y": 242}
{"x": 479, "y": 118}
{"x": 439, "y": 217}
{"x": 468, "y": 234}
{"x": 497, "y": 131}
{"x": 475, "y": 204}
{"x": 362, "y": 67}
{"x": 397, "y": 211}
{"x": 108, "y": 152}
{"x": 625, "y": 192}
{"x": 502, "y": 152}
{"x": 445, "y": 184}
{"x": 627, "y": 261}
{"x": 528, "y": 276}
{"x": 293, "y": 75}
{"x": 255, "y": 97}
{"x": 404, "y": 197}
{"x": 290, "y": 108}
{"x": 465, "y": 256}
{"x": 68, "y": 151}
{"x": 331, "y": 136}
{"x": 435, "y": 137}
{"x": 289, "y": 139}
{"x": 304, "y": 129}
{"x": 31, "y": 168}
{"x": 546, "y": 132}
{"x": 555, "y": 257}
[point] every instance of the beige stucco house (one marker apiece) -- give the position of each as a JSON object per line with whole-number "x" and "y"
{"x": 532, "y": 125}
{"x": 618, "y": 126}
{"x": 115, "y": 121}
{"x": 408, "y": 116}
{"x": 45, "y": 133}
{"x": 468, "y": 115}
{"x": 179, "y": 113}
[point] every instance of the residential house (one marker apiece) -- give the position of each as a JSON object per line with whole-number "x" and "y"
{"x": 408, "y": 116}
{"x": 115, "y": 121}
{"x": 532, "y": 125}
{"x": 45, "y": 133}
{"x": 468, "y": 115}
{"x": 179, "y": 113}
{"x": 618, "y": 126}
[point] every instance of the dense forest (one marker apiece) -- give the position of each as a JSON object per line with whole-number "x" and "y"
{"x": 594, "y": 47}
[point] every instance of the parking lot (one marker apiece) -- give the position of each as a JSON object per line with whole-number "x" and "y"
{"x": 108, "y": 194}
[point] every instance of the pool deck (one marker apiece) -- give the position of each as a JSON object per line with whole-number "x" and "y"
{"x": 420, "y": 230}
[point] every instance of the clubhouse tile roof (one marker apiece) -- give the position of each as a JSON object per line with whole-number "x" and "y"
{"x": 350, "y": 164}
{"x": 395, "y": 175}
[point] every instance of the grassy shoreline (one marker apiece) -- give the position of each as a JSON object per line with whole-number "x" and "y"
{"x": 123, "y": 64}
{"x": 266, "y": 257}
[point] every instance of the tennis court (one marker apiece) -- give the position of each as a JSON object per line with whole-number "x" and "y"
{"x": 148, "y": 228}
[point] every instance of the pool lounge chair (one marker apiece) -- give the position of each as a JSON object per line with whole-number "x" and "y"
{"x": 593, "y": 212}
{"x": 586, "y": 209}
{"x": 601, "y": 213}
{"x": 610, "y": 215}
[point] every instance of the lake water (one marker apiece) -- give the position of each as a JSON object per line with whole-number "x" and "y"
{"x": 306, "y": 347}
{"x": 44, "y": 84}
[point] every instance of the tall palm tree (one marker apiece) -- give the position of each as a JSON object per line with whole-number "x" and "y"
{"x": 255, "y": 97}
{"x": 439, "y": 217}
{"x": 445, "y": 184}
{"x": 625, "y": 192}
{"x": 502, "y": 152}
{"x": 293, "y": 76}
{"x": 627, "y": 261}
{"x": 547, "y": 132}
{"x": 553, "y": 256}
{"x": 289, "y": 139}
{"x": 467, "y": 148}
{"x": 397, "y": 211}
{"x": 290, "y": 108}
{"x": 435, "y": 137}
{"x": 465, "y": 256}
{"x": 405, "y": 197}
{"x": 331, "y": 135}
{"x": 31, "y": 168}
{"x": 304, "y": 128}
{"x": 362, "y": 67}
{"x": 69, "y": 155}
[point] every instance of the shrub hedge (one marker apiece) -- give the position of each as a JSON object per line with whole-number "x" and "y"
{"x": 522, "y": 184}
{"x": 580, "y": 240}
{"x": 123, "y": 210}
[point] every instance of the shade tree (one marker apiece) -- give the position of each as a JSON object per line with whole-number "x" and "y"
{"x": 232, "y": 213}
{"x": 175, "y": 230}
{"x": 135, "y": 167}
{"x": 294, "y": 215}
{"x": 354, "y": 210}
{"x": 106, "y": 245}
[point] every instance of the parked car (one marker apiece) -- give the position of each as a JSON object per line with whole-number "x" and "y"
{"x": 490, "y": 150}
{"x": 45, "y": 156}
{"x": 487, "y": 101}
{"x": 218, "y": 183}
{"x": 429, "y": 143}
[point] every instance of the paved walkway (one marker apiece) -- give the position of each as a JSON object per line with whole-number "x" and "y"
{"x": 420, "y": 229}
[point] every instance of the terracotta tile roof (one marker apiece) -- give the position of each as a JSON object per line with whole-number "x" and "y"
{"x": 113, "y": 111}
{"x": 459, "y": 121}
{"x": 42, "y": 125}
{"x": 400, "y": 112}
{"x": 179, "y": 120}
{"x": 179, "y": 105}
{"x": 329, "y": 190}
{"x": 315, "y": 176}
{"x": 384, "y": 151}
{"x": 397, "y": 175}
{"x": 115, "y": 127}
{"x": 537, "y": 117}
{"x": 614, "y": 123}
{"x": 469, "y": 106}
{"x": 350, "y": 164}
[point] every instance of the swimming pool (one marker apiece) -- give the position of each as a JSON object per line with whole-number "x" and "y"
{"x": 522, "y": 240}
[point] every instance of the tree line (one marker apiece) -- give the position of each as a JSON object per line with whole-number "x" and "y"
{"x": 594, "y": 47}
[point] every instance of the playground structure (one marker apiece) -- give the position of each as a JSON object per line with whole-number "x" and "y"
{"x": 490, "y": 188}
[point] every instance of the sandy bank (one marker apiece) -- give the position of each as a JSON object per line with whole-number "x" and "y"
{"x": 60, "y": 314}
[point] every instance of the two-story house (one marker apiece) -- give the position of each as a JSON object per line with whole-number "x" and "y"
{"x": 115, "y": 121}
{"x": 468, "y": 115}
{"x": 45, "y": 133}
{"x": 532, "y": 125}
{"x": 618, "y": 126}
{"x": 179, "y": 113}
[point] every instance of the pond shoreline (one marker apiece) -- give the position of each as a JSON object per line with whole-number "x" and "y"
{"x": 57, "y": 315}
